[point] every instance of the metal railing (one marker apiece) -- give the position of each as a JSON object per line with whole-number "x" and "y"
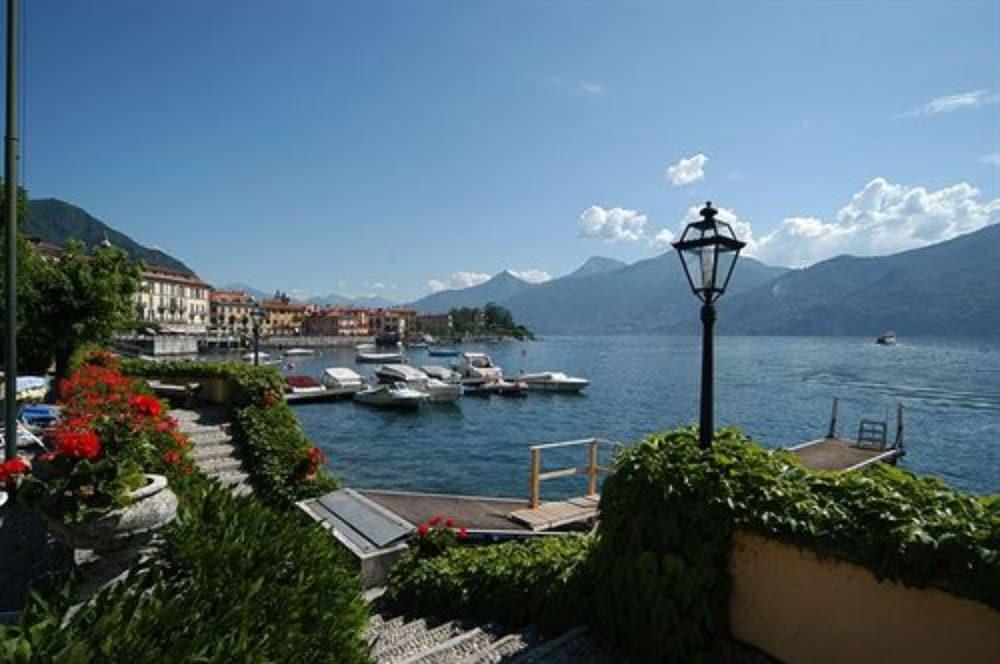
{"x": 591, "y": 470}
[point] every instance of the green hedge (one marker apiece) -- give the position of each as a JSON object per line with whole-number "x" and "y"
{"x": 670, "y": 508}
{"x": 234, "y": 581}
{"x": 543, "y": 581}
{"x": 275, "y": 449}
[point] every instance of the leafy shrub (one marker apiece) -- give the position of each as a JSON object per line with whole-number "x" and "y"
{"x": 282, "y": 464}
{"x": 234, "y": 581}
{"x": 670, "y": 508}
{"x": 543, "y": 581}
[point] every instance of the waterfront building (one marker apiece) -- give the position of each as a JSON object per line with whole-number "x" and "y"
{"x": 230, "y": 311}
{"x": 392, "y": 323}
{"x": 175, "y": 301}
{"x": 282, "y": 317}
{"x": 338, "y": 322}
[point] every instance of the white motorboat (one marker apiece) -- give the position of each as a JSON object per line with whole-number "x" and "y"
{"x": 262, "y": 358}
{"x": 397, "y": 395}
{"x": 370, "y": 358}
{"x": 340, "y": 378}
{"x": 441, "y": 373}
{"x": 887, "y": 339}
{"x": 304, "y": 385}
{"x": 553, "y": 381}
{"x": 437, "y": 390}
{"x": 298, "y": 352}
{"x": 478, "y": 367}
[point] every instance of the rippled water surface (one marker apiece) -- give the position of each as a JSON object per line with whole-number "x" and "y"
{"x": 777, "y": 389}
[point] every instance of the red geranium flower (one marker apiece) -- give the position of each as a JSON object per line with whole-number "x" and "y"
{"x": 78, "y": 444}
{"x": 146, "y": 405}
{"x": 423, "y": 529}
{"x": 435, "y": 521}
{"x": 171, "y": 457}
{"x": 12, "y": 468}
{"x": 450, "y": 523}
{"x": 463, "y": 533}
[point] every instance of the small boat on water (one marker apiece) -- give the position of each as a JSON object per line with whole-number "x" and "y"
{"x": 503, "y": 388}
{"x": 297, "y": 352}
{"x": 441, "y": 352}
{"x": 438, "y": 390}
{"x": 39, "y": 417}
{"x": 887, "y": 339}
{"x": 553, "y": 381}
{"x": 397, "y": 395}
{"x": 478, "y": 367}
{"x": 341, "y": 378}
{"x": 262, "y": 358}
{"x": 441, "y": 373}
{"x": 304, "y": 385}
{"x": 373, "y": 357}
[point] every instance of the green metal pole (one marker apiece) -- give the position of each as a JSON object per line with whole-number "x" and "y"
{"x": 10, "y": 253}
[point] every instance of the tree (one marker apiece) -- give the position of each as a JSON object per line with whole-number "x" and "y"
{"x": 82, "y": 298}
{"x": 497, "y": 317}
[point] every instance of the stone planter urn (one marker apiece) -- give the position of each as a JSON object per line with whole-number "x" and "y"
{"x": 154, "y": 505}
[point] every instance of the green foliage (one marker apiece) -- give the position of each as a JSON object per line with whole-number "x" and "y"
{"x": 275, "y": 449}
{"x": 545, "y": 581}
{"x": 670, "y": 508}
{"x": 492, "y": 319}
{"x": 233, "y": 581}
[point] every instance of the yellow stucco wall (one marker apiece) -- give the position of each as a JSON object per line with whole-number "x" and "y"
{"x": 800, "y": 608}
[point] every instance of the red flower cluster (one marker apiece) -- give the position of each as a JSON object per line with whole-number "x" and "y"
{"x": 435, "y": 524}
{"x": 78, "y": 444}
{"x": 145, "y": 405}
{"x": 12, "y": 468}
{"x": 316, "y": 459}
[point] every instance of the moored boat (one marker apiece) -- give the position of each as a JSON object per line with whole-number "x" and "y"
{"x": 437, "y": 351}
{"x": 553, "y": 381}
{"x": 437, "y": 390}
{"x": 304, "y": 385}
{"x": 370, "y": 357}
{"x": 478, "y": 367}
{"x": 341, "y": 378}
{"x": 293, "y": 352}
{"x": 397, "y": 395}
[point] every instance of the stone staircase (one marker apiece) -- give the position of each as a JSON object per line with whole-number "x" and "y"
{"x": 212, "y": 446}
{"x": 398, "y": 640}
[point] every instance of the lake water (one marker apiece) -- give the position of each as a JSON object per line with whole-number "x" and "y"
{"x": 778, "y": 390}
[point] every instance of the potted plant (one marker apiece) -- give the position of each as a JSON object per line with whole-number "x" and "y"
{"x": 95, "y": 490}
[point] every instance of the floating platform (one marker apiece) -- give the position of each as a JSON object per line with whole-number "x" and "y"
{"x": 840, "y": 454}
{"x": 327, "y": 394}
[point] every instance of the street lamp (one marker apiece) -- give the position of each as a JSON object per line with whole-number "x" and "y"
{"x": 257, "y": 318}
{"x": 708, "y": 249}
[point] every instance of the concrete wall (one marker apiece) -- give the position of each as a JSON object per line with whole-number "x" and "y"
{"x": 798, "y": 607}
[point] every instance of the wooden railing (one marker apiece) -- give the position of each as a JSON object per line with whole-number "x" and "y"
{"x": 591, "y": 470}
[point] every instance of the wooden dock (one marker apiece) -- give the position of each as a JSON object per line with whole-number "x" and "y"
{"x": 327, "y": 394}
{"x": 547, "y": 516}
{"x": 840, "y": 454}
{"x": 834, "y": 452}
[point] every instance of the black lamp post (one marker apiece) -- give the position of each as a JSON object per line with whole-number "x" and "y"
{"x": 257, "y": 318}
{"x": 708, "y": 249}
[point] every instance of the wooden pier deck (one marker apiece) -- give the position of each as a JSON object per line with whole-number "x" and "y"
{"x": 475, "y": 513}
{"x": 840, "y": 454}
{"x": 328, "y": 394}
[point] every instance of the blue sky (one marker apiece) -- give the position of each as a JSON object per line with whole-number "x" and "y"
{"x": 394, "y": 148}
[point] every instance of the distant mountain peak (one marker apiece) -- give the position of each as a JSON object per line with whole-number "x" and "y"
{"x": 597, "y": 265}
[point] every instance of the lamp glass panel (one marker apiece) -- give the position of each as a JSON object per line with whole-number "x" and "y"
{"x": 707, "y": 267}
{"x": 692, "y": 265}
{"x": 725, "y": 261}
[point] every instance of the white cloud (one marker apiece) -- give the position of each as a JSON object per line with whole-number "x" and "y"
{"x": 612, "y": 225}
{"x": 592, "y": 88}
{"x": 882, "y": 218}
{"x": 458, "y": 280}
{"x": 533, "y": 276}
{"x": 949, "y": 103}
{"x": 742, "y": 229}
{"x": 687, "y": 170}
{"x": 662, "y": 240}
{"x": 992, "y": 159}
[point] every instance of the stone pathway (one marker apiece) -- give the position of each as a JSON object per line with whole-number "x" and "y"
{"x": 398, "y": 640}
{"x": 212, "y": 446}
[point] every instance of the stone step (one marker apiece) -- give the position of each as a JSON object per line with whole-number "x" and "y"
{"x": 419, "y": 643}
{"x": 216, "y": 451}
{"x": 455, "y": 649}
{"x": 392, "y": 635}
{"x": 219, "y": 465}
{"x": 213, "y": 437}
{"x": 573, "y": 646}
{"x": 379, "y": 624}
{"x": 504, "y": 648}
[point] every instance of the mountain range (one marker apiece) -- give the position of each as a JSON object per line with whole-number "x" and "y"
{"x": 942, "y": 289}
{"x": 58, "y": 222}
